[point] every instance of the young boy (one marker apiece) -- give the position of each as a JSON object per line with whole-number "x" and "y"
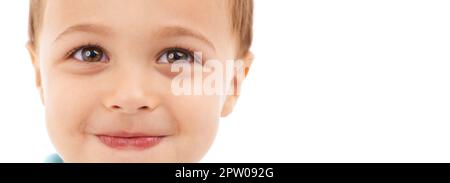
{"x": 105, "y": 73}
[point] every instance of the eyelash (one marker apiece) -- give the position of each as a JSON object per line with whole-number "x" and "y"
{"x": 71, "y": 53}
{"x": 179, "y": 48}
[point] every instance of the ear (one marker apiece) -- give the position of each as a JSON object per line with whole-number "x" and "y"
{"x": 239, "y": 76}
{"x": 37, "y": 72}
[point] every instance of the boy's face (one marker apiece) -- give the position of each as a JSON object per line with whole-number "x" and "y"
{"x": 111, "y": 100}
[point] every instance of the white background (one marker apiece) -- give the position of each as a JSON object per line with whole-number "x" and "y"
{"x": 333, "y": 81}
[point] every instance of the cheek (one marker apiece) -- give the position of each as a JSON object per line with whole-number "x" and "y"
{"x": 198, "y": 121}
{"x": 68, "y": 103}
{"x": 196, "y": 112}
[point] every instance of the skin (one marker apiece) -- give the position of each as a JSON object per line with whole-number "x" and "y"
{"x": 131, "y": 91}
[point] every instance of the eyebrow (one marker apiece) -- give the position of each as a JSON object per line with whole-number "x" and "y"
{"x": 92, "y": 28}
{"x": 169, "y": 31}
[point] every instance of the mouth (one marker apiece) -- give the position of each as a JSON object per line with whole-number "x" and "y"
{"x": 129, "y": 141}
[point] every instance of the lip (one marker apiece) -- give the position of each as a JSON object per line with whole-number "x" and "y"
{"x": 129, "y": 141}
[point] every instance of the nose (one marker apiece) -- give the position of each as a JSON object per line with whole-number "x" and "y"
{"x": 131, "y": 101}
{"x": 130, "y": 95}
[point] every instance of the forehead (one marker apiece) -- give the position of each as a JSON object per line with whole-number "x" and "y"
{"x": 138, "y": 17}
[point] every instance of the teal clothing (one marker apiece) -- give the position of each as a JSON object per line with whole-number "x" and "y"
{"x": 54, "y": 158}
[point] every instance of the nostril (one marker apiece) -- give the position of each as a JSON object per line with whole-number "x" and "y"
{"x": 116, "y": 107}
{"x": 120, "y": 108}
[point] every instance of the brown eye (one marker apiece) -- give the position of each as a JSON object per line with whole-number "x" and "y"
{"x": 90, "y": 54}
{"x": 173, "y": 55}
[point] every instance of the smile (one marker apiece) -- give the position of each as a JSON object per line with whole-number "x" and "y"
{"x": 127, "y": 141}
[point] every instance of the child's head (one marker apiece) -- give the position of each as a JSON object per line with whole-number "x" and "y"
{"x": 103, "y": 69}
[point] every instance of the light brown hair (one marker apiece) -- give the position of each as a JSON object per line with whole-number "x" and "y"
{"x": 241, "y": 13}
